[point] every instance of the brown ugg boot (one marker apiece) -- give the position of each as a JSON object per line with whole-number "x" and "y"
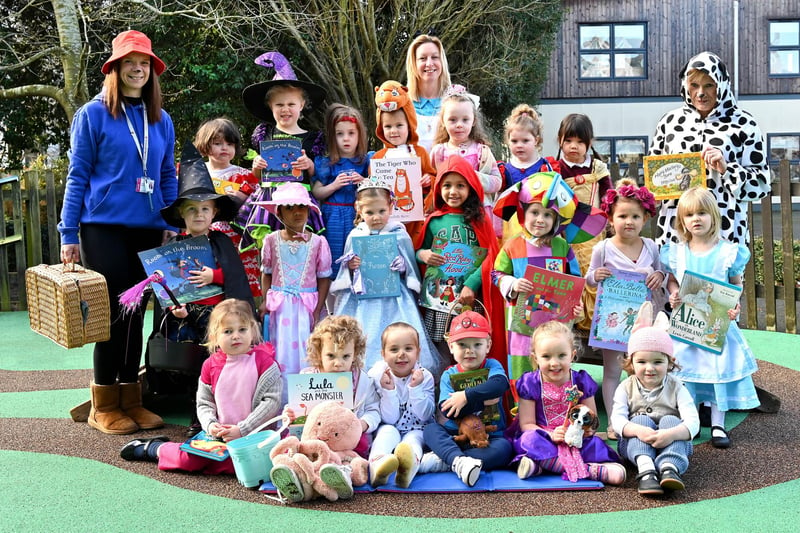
{"x": 130, "y": 401}
{"x": 105, "y": 414}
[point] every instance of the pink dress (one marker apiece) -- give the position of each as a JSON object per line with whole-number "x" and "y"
{"x": 294, "y": 266}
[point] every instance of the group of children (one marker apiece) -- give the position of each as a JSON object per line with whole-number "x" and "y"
{"x": 523, "y": 212}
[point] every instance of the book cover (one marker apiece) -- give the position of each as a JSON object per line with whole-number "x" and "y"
{"x": 403, "y": 175}
{"x": 376, "y": 253}
{"x": 308, "y": 390}
{"x": 616, "y": 307}
{"x": 226, "y": 187}
{"x": 464, "y": 380}
{"x": 279, "y": 154}
{"x": 667, "y": 176}
{"x": 442, "y": 285}
{"x": 553, "y": 297}
{"x": 702, "y": 317}
{"x": 174, "y": 261}
{"x": 206, "y": 446}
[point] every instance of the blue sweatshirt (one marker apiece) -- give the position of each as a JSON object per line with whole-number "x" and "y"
{"x": 104, "y": 167}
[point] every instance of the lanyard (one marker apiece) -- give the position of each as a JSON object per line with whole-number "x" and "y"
{"x": 142, "y": 153}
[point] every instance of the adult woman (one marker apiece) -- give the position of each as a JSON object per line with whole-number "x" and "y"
{"x": 121, "y": 173}
{"x": 731, "y": 142}
{"x": 428, "y": 77}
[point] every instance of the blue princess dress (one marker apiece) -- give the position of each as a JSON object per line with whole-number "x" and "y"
{"x": 724, "y": 379}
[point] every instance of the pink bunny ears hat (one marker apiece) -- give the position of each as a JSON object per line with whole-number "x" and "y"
{"x": 649, "y": 335}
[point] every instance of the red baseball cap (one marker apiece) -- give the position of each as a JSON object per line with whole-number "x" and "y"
{"x": 469, "y": 324}
{"x": 132, "y": 41}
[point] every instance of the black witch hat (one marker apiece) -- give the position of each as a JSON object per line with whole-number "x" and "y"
{"x": 194, "y": 183}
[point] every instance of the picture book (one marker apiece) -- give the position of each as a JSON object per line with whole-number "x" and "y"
{"x": 174, "y": 261}
{"x": 403, "y": 175}
{"x": 667, "y": 176}
{"x": 553, "y": 297}
{"x": 279, "y": 154}
{"x": 308, "y": 390}
{"x": 702, "y": 317}
{"x": 206, "y": 446}
{"x": 442, "y": 285}
{"x": 222, "y": 186}
{"x": 463, "y": 380}
{"x": 616, "y": 307}
{"x": 376, "y": 253}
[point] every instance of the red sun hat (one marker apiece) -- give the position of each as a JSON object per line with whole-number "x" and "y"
{"x": 469, "y": 324}
{"x": 132, "y": 41}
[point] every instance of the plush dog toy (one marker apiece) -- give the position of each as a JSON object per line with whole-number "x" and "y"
{"x": 582, "y": 422}
{"x": 471, "y": 430}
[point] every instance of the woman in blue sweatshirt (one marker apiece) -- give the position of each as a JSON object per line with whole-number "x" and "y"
{"x": 121, "y": 174}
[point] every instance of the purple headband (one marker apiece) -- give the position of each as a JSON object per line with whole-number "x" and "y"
{"x": 640, "y": 194}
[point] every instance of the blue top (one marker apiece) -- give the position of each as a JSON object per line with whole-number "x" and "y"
{"x": 494, "y": 387}
{"x": 325, "y": 172}
{"x": 104, "y": 167}
{"x": 428, "y": 107}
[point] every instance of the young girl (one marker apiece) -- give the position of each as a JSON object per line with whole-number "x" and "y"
{"x": 280, "y": 103}
{"x": 461, "y": 132}
{"x": 724, "y": 380}
{"x": 374, "y": 206}
{"x": 219, "y": 140}
{"x": 296, "y": 269}
{"x": 523, "y": 136}
{"x": 538, "y": 431}
{"x": 588, "y": 176}
{"x": 240, "y": 389}
{"x": 337, "y": 175}
{"x": 628, "y": 208}
{"x": 406, "y": 392}
{"x": 459, "y": 217}
{"x": 653, "y": 411}
{"x": 540, "y": 243}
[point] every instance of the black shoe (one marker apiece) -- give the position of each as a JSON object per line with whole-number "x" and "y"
{"x": 671, "y": 480}
{"x": 704, "y": 411}
{"x": 649, "y": 484}
{"x": 128, "y": 451}
{"x": 720, "y": 442}
{"x": 193, "y": 430}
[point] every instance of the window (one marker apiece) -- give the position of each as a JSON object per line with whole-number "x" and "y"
{"x": 613, "y": 51}
{"x": 784, "y": 146}
{"x": 622, "y": 150}
{"x": 784, "y": 48}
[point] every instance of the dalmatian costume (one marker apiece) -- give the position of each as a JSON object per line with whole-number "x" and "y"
{"x": 735, "y": 133}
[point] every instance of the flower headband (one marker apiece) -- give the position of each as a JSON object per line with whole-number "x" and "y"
{"x": 640, "y": 194}
{"x": 460, "y": 90}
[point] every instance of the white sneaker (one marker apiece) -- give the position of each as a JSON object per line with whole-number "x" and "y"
{"x": 380, "y": 470}
{"x": 468, "y": 469}
{"x": 408, "y": 465}
{"x": 432, "y": 463}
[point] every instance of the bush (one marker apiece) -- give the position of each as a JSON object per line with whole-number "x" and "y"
{"x": 758, "y": 260}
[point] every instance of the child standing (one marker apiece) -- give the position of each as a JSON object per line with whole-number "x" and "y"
{"x": 280, "y": 103}
{"x": 725, "y": 380}
{"x": 587, "y": 175}
{"x": 406, "y": 392}
{"x": 220, "y": 141}
{"x": 470, "y": 340}
{"x": 544, "y": 208}
{"x": 460, "y": 132}
{"x": 374, "y": 206}
{"x": 339, "y": 173}
{"x": 459, "y": 217}
{"x": 523, "y": 136}
{"x": 653, "y": 411}
{"x": 628, "y": 208}
{"x": 239, "y": 390}
{"x": 296, "y": 269}
{"x": 544, "y": 399}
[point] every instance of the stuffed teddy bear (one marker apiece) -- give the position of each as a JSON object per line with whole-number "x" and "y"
{"x": 471, "y": 430}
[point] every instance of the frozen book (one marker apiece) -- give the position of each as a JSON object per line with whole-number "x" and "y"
{"x": 377, "y": 253}
{"x": 616, "y": 307}
{"x": 702, "y": 317}
{"x": 206, "y": 446}
{"x": 308, "y": 390}
{"x": 279, "y": 155}
{"x": 442, "y": 285}
{"x": 174, "y": 261}
{"x": 667, "y": 176}
{"x": 553, "y": 297}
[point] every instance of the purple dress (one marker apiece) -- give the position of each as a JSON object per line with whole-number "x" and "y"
{"x": 551, "y": 409}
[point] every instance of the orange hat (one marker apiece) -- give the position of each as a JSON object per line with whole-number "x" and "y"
{"x": 132, "y": 41}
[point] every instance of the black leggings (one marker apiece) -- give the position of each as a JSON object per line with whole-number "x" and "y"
{"x": 112, "y": 251}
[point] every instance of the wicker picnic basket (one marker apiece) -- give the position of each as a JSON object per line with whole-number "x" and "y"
{"x": 68, "y": 304}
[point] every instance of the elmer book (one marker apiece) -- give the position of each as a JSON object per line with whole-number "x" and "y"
{"x": 616, "y": 307}
{"x": 308, "y": 390}
{"x": 553, "y": 297}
